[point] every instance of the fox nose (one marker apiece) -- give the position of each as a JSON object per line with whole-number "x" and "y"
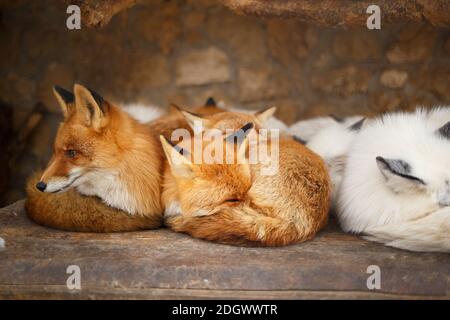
{"x": 41, "y": 186}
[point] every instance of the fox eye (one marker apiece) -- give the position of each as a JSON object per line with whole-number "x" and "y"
{"x": 70, "y": 153}
{"x": 232, "y": 200}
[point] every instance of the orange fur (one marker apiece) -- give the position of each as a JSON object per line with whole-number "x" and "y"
{"x": 288, "y": 207}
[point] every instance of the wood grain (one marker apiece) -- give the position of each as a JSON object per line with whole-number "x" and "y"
{"x": 165, "y": 265}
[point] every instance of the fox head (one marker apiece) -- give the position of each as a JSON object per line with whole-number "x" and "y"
{"x": 204, "y": 189}
{"x": 422, "y": 169}
{"x": 84, "y": 140}
{"x": 228, "y": 120}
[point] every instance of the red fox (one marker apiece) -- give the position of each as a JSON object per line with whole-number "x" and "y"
{"x": 102, "y": 151}
{"x": 235, "y": 203}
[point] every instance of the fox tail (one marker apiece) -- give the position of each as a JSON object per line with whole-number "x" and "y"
{"x": 243, "y": 226}
{"x": 427, "y": 234}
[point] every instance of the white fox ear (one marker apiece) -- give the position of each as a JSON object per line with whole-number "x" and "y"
{"x": 265, "y": 114}
{"x": 398, "y": 175}
{"x": 65, "y": 98}
{"x": 90, "y": 106}
{"x": 176, "y": 156}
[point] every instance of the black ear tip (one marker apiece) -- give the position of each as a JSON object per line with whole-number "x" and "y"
{"x": 335, "y": 117}
{"x": 210, "y": 102}
{"x": 445, "y": 130}
{"x": 381, "y": 162}
{"x": 66, "y": 95}
{"x": 248, "y": 126}
{"x": 98, "y": 98}
{"x": 175, "y": 106}
{"x": 169, "y": 141}
{"x": 299, "y": 140}
{"x": 358, "y": 125}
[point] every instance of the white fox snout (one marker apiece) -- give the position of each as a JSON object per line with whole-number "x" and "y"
{"x": 58, "y": 184}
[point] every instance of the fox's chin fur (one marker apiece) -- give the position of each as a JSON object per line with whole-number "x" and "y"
{"x": 399, "y": 212}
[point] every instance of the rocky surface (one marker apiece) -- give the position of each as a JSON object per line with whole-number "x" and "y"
{"x": 345, "y": 12}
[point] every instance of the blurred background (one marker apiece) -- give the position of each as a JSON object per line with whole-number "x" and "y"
{"x": 183, "y": 51}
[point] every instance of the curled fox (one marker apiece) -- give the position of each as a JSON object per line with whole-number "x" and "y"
{"x": 235, "y": 203}
{"x": 396, "y": 185}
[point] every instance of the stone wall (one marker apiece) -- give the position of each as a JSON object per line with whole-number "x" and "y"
{"x": 185, "y": 51}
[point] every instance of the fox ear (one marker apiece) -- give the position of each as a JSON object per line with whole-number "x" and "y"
{"x": 398, "y": 174}
{"x": 176, "y": 156}
{"x": 174, "y": 109}
{"x": 357, "y": 125}
{"x": 336, "y": 118}
{"x": 444, "y": 131}
{"x": 195, "y": 120}
{"x": 239, "y": 138}
{"x": 265, "y": 114}
{"x": 299, "y": 140}
{"x": 65, "y": 99}
{"x": 210, "y": 102}
{"x": 90, "y": 106}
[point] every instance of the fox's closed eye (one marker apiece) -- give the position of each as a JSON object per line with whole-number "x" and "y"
{"x": 232, "y": 200}
{"x": 70, "y": 153}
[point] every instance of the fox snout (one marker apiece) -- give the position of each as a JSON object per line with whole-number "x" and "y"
{"x": 41, "y": 186}
{"x": 58, "y": 177}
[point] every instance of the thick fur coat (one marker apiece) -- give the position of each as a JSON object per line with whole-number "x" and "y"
{"x": 396, "y": 184}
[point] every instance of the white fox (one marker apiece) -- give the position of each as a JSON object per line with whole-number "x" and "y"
{"x": 396, "y": 183}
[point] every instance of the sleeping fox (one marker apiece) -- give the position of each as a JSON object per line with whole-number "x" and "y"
{"x": 396, "y": 184}
{"x": 235, "y": 203}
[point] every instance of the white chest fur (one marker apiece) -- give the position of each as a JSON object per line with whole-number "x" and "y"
{"x": 108, "y": 186}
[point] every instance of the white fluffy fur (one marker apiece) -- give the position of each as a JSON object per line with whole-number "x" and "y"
{"x": 107, "y": 185}
{"x": 2, "y": 243}
{"x": 334, "y": 140}
{"x": 430, "y": 233}
{"x": 144, "y": 113}
{"x": 306, "y": 129}
{"x": 399, "y": 211}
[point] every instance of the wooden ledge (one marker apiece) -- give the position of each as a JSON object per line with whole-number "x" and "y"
{"x": 164, "y": 265}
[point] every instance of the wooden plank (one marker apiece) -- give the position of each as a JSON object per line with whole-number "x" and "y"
{"x": 164, "y": 264}
{"x": 61, "y": 292}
